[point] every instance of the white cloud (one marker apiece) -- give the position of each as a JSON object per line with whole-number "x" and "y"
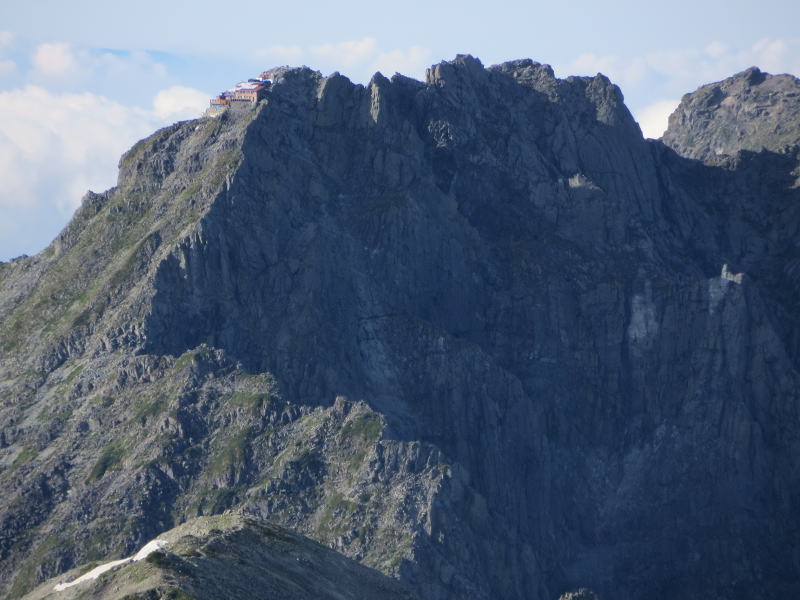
{"x": 590, "y": 64}
{"x": 55, "y": 60}
{"x": 771, "y": 54}
{"x": 129, "y": 77}
{"x": 179, "y": 102}
{"x": 347, "y": 53}
{"x": 56, "y": 141}
{"x": 716, "y": 49}
{"x": 54, "y": 146}
{"x": 51, "y": 142}
{"x": 653, "y": 118}
{"x": 288, "y": 53}
{"x": 123, "y": 66}
{"x": 64, "y": 143}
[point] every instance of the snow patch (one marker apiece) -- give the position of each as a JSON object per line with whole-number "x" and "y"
{"x": 726, "y": 274}
{"x": 148, "y": 549}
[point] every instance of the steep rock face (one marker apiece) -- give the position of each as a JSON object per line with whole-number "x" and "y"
{"x": 750, "y": 111}
{"x": 87, "y": 292}
{"x": 552, "y": 380}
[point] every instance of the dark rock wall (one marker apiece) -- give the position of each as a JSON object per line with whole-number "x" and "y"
{"x": 582, "y": 347}
{"x": 502, "y": 266}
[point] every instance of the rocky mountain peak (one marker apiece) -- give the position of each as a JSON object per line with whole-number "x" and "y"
{"x": 474, "y": 332}
{"x": 751, "y": 110}
{"x": 463, "y": 66}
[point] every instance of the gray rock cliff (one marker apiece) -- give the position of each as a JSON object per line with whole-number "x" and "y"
{"x": 474, "y": 332}
{"x": 750, "y": 111}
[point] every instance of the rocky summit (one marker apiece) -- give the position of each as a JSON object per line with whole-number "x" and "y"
{"x": 749, "y": 111}
{"x": 475, "y": 333}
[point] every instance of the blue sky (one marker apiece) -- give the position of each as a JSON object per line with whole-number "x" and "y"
{"x": 81, "y": 81}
